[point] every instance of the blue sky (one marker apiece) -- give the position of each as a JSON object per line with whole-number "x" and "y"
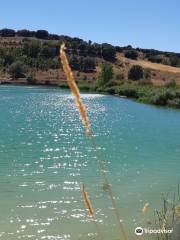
{"x": 141, "y": 23}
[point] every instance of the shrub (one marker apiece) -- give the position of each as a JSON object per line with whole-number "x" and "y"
{"x": 135, "y": 72}
{"x": 174, "y": 61}
{"x": 87, "y": 64}
{"x": 112, "y": 90}
{"x": 84, "y": 86}
{"x": 171, "y": 84}
{"x": 132, "y": 54}
{"x": 8, "y": 59}
{"x": 162, "y": 97}
{"x": 145, "y": 82}
{"x": 31, "y": 80}
{"x": 111, "y": 83}
{"x": 174, "y": 102}
{"x": 84, "y": 77}
{"x": 17, "y": 70}
{"x": 120, "y": 76}
{"x": 156, "y": 59}
{"x": 128, "y": 91}
{"x": 54, "y": 63}
{"x": 147, "y": 74}
{"x": 105, "y": 75}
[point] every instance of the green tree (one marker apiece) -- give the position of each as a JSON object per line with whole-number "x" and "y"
{"x": 32, "y": 48}
{"x": 5, "y": 32}
{"x": 48, "y": 51}
{"x": 43, "y": 34}
{"x": 132, "y": 54}
{"x": 135, "y": 72}
{"x": 1, "y": 63}
{"x": 108, "y": 52}
{"x": 74, "y": 62}
{"x": 174, "y": 61}
{"x": 8, "y": 59}
{"x": 17, "y": 69}
{"x": 89, "y": 64}
{"x": 105, "y": 75}
{"x": 24, "y": 33}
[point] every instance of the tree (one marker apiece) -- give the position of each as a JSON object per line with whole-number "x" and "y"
{"x": 105, "y": 75}
{"x": 48, "y": 51}
{"x": 53, "y": 37}
{"x": 135, "y": 72}
{"x": 89, "y": 64}
{"x": 54, "y": 63}
{"x": 83, "y": 64}
{"x": 174, "y": 60}
{"x": 108, "y": 52}
{"x": 5, "y": 32}
{"x": 132, "y": 54}
{"x": 17, "y": 69}
{"x": 1, "y": 63}
{"x": 43, "y": 34}
{"x": 74, "y": 62}
{"x": 24, "y": 33}
{"x": 32, "y": 48}
{"x": 8, "y": 59}
{"x": 156, "y": 59}
{"x": 31, "y": 79}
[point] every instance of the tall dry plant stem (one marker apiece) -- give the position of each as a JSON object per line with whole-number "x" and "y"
{"x": 75, "y": 91}
{"x": 90, "y": 210}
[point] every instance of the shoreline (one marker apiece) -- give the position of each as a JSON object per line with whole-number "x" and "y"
{"x": 140, "y": 93}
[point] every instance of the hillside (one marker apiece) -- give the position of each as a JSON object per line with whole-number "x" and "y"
{"x": 160, "y": 73}
{"x": 37, "y": 54}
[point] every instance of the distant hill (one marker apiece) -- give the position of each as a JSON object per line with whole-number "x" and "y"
{"x": 33, "y": 57}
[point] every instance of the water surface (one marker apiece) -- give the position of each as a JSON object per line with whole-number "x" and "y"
{"x": 45, "y": 155}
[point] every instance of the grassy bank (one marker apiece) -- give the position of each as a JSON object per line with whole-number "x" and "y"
{"x": 147, "y": 93}
{"x": 157, "y": 95}
{"x": 168, "y": 95}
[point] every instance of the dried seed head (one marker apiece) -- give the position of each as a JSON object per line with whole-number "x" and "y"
{"x": 145, "y": 208}
{"x": 74, "y": 89}
{"x": 87, "y": 201}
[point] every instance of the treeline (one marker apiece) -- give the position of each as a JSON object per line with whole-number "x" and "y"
{"x": 39, "y": 50}
{"x": 42, "y": 34}
{"x": 75, "y": 45}
{"x": 152, "y": 55}
{"x": 42, "y": 55}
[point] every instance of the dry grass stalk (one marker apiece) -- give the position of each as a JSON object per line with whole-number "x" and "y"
{"x": 87, "y": 202}
{"x": 85, "y": 120}
{"x": 145, "y": 208}
{"x": 90, "y": 209}
{"x": 74, "y": 89}
{"x": 143, "y": 212}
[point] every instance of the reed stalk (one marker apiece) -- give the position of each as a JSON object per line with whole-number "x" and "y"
{"x": 90, "y": 210}
{"x": 143, "y": 212}
{"x": 83, "y": 113}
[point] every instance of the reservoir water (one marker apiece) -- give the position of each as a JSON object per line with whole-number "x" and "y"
{"x": 45, "y": 156}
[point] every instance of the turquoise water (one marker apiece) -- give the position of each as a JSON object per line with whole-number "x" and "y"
{"x": 45, "y": 155}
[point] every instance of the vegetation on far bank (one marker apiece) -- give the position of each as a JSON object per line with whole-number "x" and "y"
{"x": 139, "y": 87}
{"x": 34, "y": 57}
